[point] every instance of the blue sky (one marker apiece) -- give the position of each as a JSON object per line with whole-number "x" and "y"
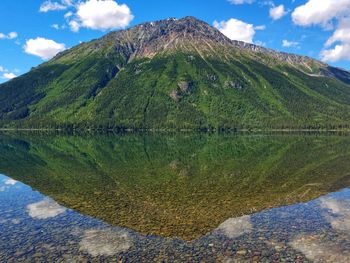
{"x": 33, "y": 31}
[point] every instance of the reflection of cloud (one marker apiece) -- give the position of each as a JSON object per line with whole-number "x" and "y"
{"x": 10, "y": 182}
{"x": 7, "y": 183}
{"x": 105, "y": 242}
{"x": 45, "y": 209}
{"x": 16, "y": 221}
{"x": 338, "y": 214}
{"x": 235, "y": 227}
{"x": 320, "y": 251}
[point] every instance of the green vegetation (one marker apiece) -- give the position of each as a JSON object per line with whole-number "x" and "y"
{"x": 181, "y": 185}
{"x": 114, "y": 83}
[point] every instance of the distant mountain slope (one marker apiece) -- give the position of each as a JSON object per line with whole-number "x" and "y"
{"x": 177, "y": 74}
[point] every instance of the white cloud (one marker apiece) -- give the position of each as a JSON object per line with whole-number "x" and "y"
{"x": 58, "y": 27}
{"x": 236, "y": 30}
{"x": 277, "y": 12}
{"x": 101, "y": 15}
{"x": 262, "y": 27}
{"x": 341, "y": 34}
{"x": 328, "y": 14}
{"x": 287, "y": 43}
{"x": 240, "y": 2}
{"x": 8, "y": 75}
{"x": 45, "y": 209}
{"x": 260, "y": 43}
{"x": 339, "y": 52}
{"x": 92, "y": 14}
{"x": 69, "y": 14}
{"x": 43, "y": 48}
{"x": 316, "y": 12}
{"x": 11, "y": 35}
{"x": 53, "y": 6}
{"x": 340, "y": 37}
{"x": 74, "y": 26}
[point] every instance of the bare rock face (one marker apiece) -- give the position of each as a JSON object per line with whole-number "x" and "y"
{"x": 174, "y": 95}
{"x": 191, "y": 35}
{"x": 233, "y": 85}
{"x": 197, "y": 38}
{"x": 184, "y": 86}
{"x": 183, "y": 89}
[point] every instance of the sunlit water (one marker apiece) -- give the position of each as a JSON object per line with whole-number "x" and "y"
{"x": 175, "y": 198}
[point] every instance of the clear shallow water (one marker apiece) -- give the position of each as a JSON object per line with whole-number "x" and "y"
{"x": 151, "y": 198}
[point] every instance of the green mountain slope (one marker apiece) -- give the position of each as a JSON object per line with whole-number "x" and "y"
{"x": 177, "y": 74}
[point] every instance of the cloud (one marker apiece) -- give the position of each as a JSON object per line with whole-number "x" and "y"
{"x": 236, "y": 30}
{"x": 277, "y": 12}
{"x": 260, "y": 43}
{"x": 235, "y": 227}
{"x": 316, "y": 12}
{"x": 11, "y": 35}
{"x": 43, "y": 48}
{"x": 8, "y": 75}
{"x": 45, "y": 209}
{"x": 53, "y": 6}
{"x": 262, "y": 27}
{"x": 74, "y": 26}
{"x": 101, "y": 15}
{"x": 68, "y": 14}
{"x": 339, "y": 52}
{"x": 341, "y": 40}
{"x": 240, "y": 2}
{"x": 341, "y": 34}
{"x": 105, "y": 242}
{"x": 287, "y": 43}
{"x": 92, "y": 14}
{"x": 328, "y": 14}
{"x": 58, "y": 27}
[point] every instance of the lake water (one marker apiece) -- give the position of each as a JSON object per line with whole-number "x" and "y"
{"x": 174, "y": 198}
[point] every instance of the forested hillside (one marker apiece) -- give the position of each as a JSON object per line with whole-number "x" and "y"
{"x": 175, "y": 74}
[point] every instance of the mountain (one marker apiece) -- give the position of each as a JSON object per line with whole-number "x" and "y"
{"x": 177, "y": 74}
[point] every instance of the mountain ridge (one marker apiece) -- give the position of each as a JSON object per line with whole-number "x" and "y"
{"x": 190, "y": 21}
{"x": 176, "y": 73}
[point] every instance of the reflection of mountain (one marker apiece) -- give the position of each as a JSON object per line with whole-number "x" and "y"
{"x": 181, "y": 185}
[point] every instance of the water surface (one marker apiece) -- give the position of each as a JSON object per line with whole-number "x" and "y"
{"x": 180, "y": 197}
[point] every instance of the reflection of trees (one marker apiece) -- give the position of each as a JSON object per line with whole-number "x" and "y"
{"x": 181, "y": 185}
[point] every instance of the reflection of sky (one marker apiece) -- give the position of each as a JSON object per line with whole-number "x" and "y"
{"x": 30, "y": 222}
{"x": 45, "y": 209}
{"x": 6, "y": 183}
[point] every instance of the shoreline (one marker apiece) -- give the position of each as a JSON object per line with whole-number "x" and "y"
{"x": 174, "y": 130}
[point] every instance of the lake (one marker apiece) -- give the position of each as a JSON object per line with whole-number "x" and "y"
{"x": 174, "y": 197}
